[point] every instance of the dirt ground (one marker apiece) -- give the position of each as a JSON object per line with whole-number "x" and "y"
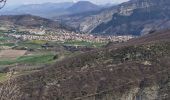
{"x": 11, "y": 54}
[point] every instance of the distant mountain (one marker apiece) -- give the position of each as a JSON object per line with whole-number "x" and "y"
{"x": 43, "y": 10}
{"x": 83, "y": 6}
{"x": 134, "y": 17}
{"x": 49, "y": 10}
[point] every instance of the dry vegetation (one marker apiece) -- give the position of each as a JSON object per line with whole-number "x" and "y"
{"x": 100, "y": 74}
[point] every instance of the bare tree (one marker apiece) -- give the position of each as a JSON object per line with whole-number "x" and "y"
{"x": 2, "y": 3}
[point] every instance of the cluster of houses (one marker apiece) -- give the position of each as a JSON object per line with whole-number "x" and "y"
{"x": 72, "y": 36}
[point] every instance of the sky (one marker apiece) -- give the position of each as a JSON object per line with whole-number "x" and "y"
{"x": 20, "y": 2}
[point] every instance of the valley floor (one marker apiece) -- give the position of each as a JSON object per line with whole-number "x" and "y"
{"x": 25, "y": 52}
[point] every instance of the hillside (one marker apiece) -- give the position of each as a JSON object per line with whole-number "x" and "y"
{"x": 147, "y": 15}
{"x": 28, "y": 22}
{"x": 138, "y": 69}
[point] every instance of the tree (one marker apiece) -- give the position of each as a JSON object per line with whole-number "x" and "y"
{"x": 2, "y": 3}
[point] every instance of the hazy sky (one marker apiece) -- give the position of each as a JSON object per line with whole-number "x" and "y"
{"x": 14, "y": 2}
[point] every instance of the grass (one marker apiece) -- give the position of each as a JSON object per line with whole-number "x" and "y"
{"x": 32, "y": 44}
{"x": 36, "y": 59}
{"x": 38, "y": 42}
{"x": 5, "y": 41}
{"x": 2, "y": 38}
{"x": 33, "y": 59}
{"x": 29, "y": 45}
{"x": 83, "y": 43}
{"x": 5, "y": 38}
{"x": 1, "y": 32}
{"x": 7, "y": 44}
{"x": 3, "y": 77}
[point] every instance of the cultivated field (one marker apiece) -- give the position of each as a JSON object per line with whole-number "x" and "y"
{"x": 11, "y": 54}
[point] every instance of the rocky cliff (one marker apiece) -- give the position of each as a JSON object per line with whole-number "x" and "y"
{"x": 134, "y": 17}
{"x": 138, "y": 17}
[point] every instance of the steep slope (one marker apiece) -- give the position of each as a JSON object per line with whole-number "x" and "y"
{"x": 148, "y": 15}
{"x": 86, "y": 22}
{"x": 136, "y": 70}
{"x": 30, "y": 22}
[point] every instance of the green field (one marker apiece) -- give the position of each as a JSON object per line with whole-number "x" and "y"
{"x": 6, "y": 41}
{"x": 36, "y": 56}
{"x": 34, "y": 44}
{"x": 3, "y": 77}
{"x": 38, "y": 53}
{"x": 33, "y": 59}
{"x": 83, "y": 43}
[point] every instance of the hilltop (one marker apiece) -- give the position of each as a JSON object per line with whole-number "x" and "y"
{"x": 83, "y": 6}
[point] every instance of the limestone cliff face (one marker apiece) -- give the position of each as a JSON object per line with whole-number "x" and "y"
{"x": 88, "y": 21}
{"x": 91, "y": 22}
{"x": 137, "y": 17}
{"x": 127, "y": 9}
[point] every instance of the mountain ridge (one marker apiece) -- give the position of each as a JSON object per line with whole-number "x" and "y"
{"x": 44, "y": 10}
{"x": 25, "y": 22}
{"x": 49, "y": 10}
{"x": 83, "y": 6}
{"x": 106, "y": 18}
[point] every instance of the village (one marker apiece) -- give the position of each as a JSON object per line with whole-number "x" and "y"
{"x": 71, "y": 37}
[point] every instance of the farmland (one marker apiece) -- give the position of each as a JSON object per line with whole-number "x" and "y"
{"x": 23, "y": 56}
{"x": 11, "y": 54}
{"x": 34, "y": 59}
